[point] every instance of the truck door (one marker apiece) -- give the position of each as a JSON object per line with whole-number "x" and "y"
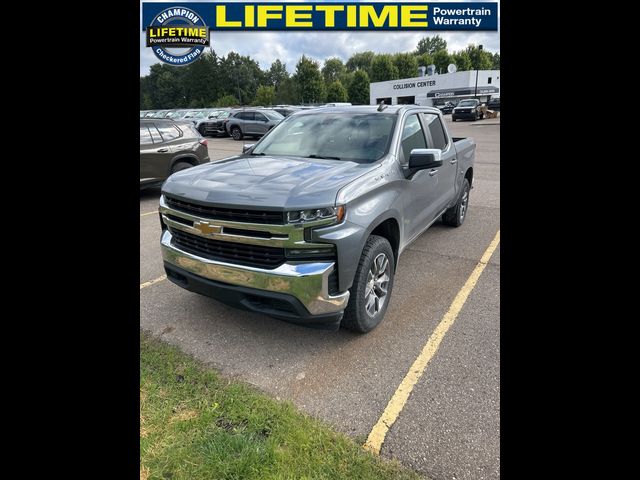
{"x": 421, "y": 197}
{"x": 446, "y": 186}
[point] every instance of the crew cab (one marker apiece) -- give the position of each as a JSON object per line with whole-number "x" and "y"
{"x": 307, "y": 225}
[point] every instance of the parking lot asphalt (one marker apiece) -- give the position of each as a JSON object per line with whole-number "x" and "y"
{"x": 449, "y": 427}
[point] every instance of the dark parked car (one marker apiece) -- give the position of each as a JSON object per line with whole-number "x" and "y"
{"x": 212, "y": 124}
{"x": 167, "y": 147}
{"x": 494, "y": 104}
{"x": 251, "y": 123}
{"x": 470, "y": 109}
{"x": 447, "y": 108}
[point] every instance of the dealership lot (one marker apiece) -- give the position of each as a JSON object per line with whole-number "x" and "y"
{"x": 449, "y": 428}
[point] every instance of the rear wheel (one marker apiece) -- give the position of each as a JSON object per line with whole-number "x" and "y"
{"x": 372, "y": 286}
{"x": 454, "y": 217}
{"x": 236, "y": 133}
{"x": 180, "y": 166}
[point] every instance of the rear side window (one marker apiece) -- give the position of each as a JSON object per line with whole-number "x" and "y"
{"x": 155, "y": 135}
{"x": 145, "y": 136}
{"x": 245, "y": 115}
{"x": 438, "y": 137}
{"x": 169, "y": 132}
{"x": 412, "y": 137}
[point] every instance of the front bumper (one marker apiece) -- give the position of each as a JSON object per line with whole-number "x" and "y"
{"x": 305, "y": 282}
{"x": 464, "y": 114}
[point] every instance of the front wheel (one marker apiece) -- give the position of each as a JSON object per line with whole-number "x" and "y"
{"x": 372, "y": 286}
{"x": 236, "y": 133}
{"x": 180, "y": 166}
{"x": 453, "y": 119}
{"x": 454, "y": 217}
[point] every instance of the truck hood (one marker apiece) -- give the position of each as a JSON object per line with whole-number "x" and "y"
{"x": 266, "y": 181}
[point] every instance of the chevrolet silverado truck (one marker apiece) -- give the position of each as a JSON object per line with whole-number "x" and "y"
{"x": 308, "y": 224}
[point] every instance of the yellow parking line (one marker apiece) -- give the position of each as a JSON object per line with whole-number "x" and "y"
{"x": 396, "y": 404}
{"x": 151, "y": 282}
{"x": 148, "y": 213}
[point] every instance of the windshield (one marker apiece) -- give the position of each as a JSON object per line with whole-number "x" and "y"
{"x": 360, "y": 138}
{"x": 467, "y": 103}
{"x": 177, "y": 114}
{"x": 273, "y": 115}
{"x": 194, "y": 114}
{"x": 224, "y": 115}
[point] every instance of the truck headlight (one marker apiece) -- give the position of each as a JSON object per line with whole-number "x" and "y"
{"x": 302, "y": 216}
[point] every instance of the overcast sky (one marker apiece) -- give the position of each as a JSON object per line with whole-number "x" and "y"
{"x": 266, "y": 47}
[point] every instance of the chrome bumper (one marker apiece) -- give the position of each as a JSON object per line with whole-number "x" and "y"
{"x": 306, "y": 281}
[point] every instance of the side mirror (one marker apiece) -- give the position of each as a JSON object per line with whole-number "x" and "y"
{"x": 422, "y": 158}
{"x": 247, "y": 146}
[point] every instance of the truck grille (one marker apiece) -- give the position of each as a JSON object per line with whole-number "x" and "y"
{"x": 231, "y": 214}
{"x": 236, "y": 253}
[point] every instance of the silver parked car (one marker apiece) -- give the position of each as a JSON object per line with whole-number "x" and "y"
{"x": 251, "y": 122}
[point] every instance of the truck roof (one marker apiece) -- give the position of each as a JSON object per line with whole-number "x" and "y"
{"x": 393, "y": 109}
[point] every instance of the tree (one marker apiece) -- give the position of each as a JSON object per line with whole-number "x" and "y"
{"x": 336, "y": 92}
{"x": 333, "y": 68}
{"x": 383, "y": 69}
{"x": 431, "y": 45}
{"x": 424, "y": 60}
{"x": 240, "y": 75}
{"x": 462, "y": 60}
{"x": 287, "y": 92}
{"x": 277, "y": 74}
{"x": 227, "y": 101}
{"x": 359, "y": 88}
{"x": 406, "y": 64}
{"x": 441, "y": 59}
{"x": 265, "y": 95}
{"x": 496, "y": 62}
{"x": 309, "y": 81}
{"x": 480, "y": 59}
{"x": 361, "y": 61}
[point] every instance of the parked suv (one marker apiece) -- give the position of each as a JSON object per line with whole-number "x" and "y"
{"x": 494, "y": 104}
{"x": 212, "y": 123}
{"x": 251, "y": 123}
{"x": 167, "y": 147}
{"x": 470, "y": 109}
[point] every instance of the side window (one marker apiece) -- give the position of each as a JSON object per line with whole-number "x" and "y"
{"x": 145, "y": 136}
{"x": 169, "y": 132}
{"x": 260, "y": 117}
{"x": 412, "y": 137}
{"x": 155, "y": 135}
{"x": 438, "y": 137}
{"x": 246, "y": 116}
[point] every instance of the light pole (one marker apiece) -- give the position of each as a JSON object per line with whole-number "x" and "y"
{"x": 475, "y": 93}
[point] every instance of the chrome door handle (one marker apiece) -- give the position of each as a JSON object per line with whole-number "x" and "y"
{"x": 433, "y": 172}
{"x": 163, "y": 150}
{"x": 454, "y": 160}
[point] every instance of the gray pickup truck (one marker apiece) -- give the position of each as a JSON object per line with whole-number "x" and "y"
{"x": 307, "y": 225}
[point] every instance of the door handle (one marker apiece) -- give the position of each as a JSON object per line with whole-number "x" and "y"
{"x": 163, "y": 150}
{"x": 433, "y": 172}
{"x": 454, "y": 160}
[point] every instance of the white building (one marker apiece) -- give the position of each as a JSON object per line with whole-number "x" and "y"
{"x": 437, "y": 89}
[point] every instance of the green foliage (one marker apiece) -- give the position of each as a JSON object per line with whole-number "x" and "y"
{"x": 431, "y": 45}
{"x": 480, "y": 59}
{"x": 227, "y": 101}
{"x": 197, "y": 425}
{"x": 359, "y": 88}
{"x": 462, "y": 60}
{"x": 441, "y": 59}
{"x": 496, "y": 62}
{"x": 287, "y": 93}
{"x": 333, "y": 68}
{"x": 336, "y": 92}
{"x": 265, "y": 96}
{"x": 424, "y": 60}
{"x": 309, "y": 81}
{"x": 361, "y": 61}
{"x": 277, "y": 74}
{"x": 383, "y": 68}
{"x": 406, "y": 64}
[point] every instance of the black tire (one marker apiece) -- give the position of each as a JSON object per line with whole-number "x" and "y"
{"x": 481, "y": 115}
{"x": 356, "y": 317}
{"x": 236, "y": 133}
{"x": 180, "y": 166}
{"x": 453, "y": 119}
{"x": 454, "y": 217}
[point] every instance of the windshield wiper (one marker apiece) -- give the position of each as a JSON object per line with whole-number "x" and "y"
{"x": 321, "y": 157}
{"x": 257, "y": 153}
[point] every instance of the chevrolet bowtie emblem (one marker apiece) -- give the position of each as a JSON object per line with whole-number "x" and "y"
{"x": 206, "y": 228}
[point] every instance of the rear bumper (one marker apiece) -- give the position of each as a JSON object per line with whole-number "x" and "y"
{"x": 294, "y": 291}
